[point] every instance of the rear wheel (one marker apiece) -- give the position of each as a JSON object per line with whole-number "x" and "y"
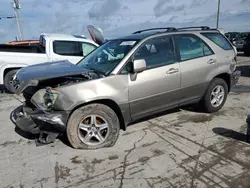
{"x": 9, "y": 82}
{"x": 93, "y": 126}
{"x": 215, "y": 96}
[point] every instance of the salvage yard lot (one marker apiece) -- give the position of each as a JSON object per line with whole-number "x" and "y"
{"x": 180, "y": 148}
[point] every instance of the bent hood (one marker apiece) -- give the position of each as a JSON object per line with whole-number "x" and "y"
{"x": 31, "y": 75}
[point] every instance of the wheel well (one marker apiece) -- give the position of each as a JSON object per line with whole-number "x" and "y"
{"x": 226, "y": 77}
{"x": 9, "y": 69}
{"x": 112, "y": 105}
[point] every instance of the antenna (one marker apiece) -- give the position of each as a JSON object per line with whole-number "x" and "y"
{"x": 17, "y": 6}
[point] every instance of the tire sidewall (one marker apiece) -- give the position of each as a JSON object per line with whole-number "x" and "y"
{"x": 92, "y": 109}
{"x": 207, "y": 102}
{"x": 7, "y": 79}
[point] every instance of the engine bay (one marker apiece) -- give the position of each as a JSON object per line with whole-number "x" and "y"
{"x": 56, "y": 82}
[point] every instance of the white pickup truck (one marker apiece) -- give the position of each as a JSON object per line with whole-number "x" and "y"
{"x": 51, "y": 47}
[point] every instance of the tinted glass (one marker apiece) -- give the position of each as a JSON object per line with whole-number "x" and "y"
{"x": 67, "y": 48}
{"x": 191, "y": 47}
{"x": 219, "y": 39}
{"x": 157, "y": 52}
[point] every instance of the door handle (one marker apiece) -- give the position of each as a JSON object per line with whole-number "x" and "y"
{"x": 211, "y": 61}
{"x": 172, "y": 71}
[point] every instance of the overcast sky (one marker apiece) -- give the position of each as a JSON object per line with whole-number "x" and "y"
{"x": 119, "y": 17}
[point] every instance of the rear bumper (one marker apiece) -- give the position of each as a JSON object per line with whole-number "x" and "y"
{"x": 35, "y": 121}
{"x": 234, "y": 78}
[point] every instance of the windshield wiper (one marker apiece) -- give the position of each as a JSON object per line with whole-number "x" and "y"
{"x": 97, "y": 71}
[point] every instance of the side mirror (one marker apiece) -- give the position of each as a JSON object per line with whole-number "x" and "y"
{"x": 139, "y": 65}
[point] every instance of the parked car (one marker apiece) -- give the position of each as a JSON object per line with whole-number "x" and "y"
{"x": 246, "y": 46}
{"x": 124, "y": 80}
{"x": 52, "y": 47}
{"x": 238, "y": 43}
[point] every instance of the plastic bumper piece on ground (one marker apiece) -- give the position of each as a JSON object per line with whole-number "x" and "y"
{"x": 36, "y": 121}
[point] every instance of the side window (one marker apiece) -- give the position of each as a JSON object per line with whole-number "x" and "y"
{"x": 219, "y": 39}
{"x": 157, "y": 52}
{"x": 67, "y": 48}
{"x": 127, "y": 68}
{"x": 191, "y": 47}
{"x": 87, "y": 48}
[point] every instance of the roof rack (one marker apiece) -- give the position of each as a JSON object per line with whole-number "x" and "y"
{"x": 197, "y": 27}
{"x": 157, "y": 28}
{"x": 170, "y": 29}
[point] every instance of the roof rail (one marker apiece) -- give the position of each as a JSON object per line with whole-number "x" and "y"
{"x": 197, "y": 27}
{"x": 159, "y": 28}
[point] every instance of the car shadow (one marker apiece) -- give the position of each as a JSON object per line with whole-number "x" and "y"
{"x": 190, "y": 108}
{"x": 62, "y": 137}
{"x": 229, "y": 133}
{"x": 4, "y": 90}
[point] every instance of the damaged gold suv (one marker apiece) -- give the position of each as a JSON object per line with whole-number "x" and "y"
{"x": 124, "y": 80}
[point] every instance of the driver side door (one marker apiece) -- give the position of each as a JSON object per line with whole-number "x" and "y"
{"x": 156, "y": 88}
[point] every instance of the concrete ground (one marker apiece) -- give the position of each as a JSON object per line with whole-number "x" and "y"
{"x": 177, "y": 149}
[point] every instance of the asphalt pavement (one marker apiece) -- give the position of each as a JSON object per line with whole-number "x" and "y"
{"x": 179, "y": 148}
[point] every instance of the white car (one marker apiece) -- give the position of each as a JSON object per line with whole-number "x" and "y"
{"x": 52, "y": 47}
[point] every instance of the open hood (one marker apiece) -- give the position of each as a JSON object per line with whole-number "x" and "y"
{"x": 96, "y": 35}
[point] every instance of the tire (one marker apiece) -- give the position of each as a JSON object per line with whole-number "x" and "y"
{"x": 206, "y": 103}
{"x": 7, "y": 80}
{"x": 75, "y": 134}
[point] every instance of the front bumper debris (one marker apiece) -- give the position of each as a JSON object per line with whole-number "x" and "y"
{"x": 47, "y": 125}
{"x": 235, "y": 76}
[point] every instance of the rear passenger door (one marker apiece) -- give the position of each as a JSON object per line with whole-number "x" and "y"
{"x": 197, "y": 63}
{"x": 157, "y": 87}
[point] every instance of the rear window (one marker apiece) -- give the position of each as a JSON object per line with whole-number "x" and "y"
{"x": 219, "y": 39}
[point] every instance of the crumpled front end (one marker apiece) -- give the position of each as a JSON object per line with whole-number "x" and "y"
{"x": 35, "y": 121}
{"x": 39, "y": 116}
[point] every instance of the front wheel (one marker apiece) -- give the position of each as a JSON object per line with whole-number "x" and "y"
{"x": 215, "y": 96}
{"x": 93, "y": 126}
{"x": 9, "y": 82}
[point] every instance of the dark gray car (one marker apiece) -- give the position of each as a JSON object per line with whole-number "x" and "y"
{"x": 124, "y": 80}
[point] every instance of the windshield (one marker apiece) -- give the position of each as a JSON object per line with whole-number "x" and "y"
{"x": 105, "y": 58}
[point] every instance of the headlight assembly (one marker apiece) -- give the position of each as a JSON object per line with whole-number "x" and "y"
{"x": 45, "y": 99}
{"x": 50, "y": 97}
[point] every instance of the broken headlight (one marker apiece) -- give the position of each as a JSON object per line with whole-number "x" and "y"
{"x": 49, "y": 98}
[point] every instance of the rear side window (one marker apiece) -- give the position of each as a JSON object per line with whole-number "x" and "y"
{"x": 191, "y": 47}
{"x": 219, "y": 39}
{"x": 67, "y": 48}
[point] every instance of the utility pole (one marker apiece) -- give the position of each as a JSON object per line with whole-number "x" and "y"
{"x": 16, "y": 6}
{"x": 218, "y": 15}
